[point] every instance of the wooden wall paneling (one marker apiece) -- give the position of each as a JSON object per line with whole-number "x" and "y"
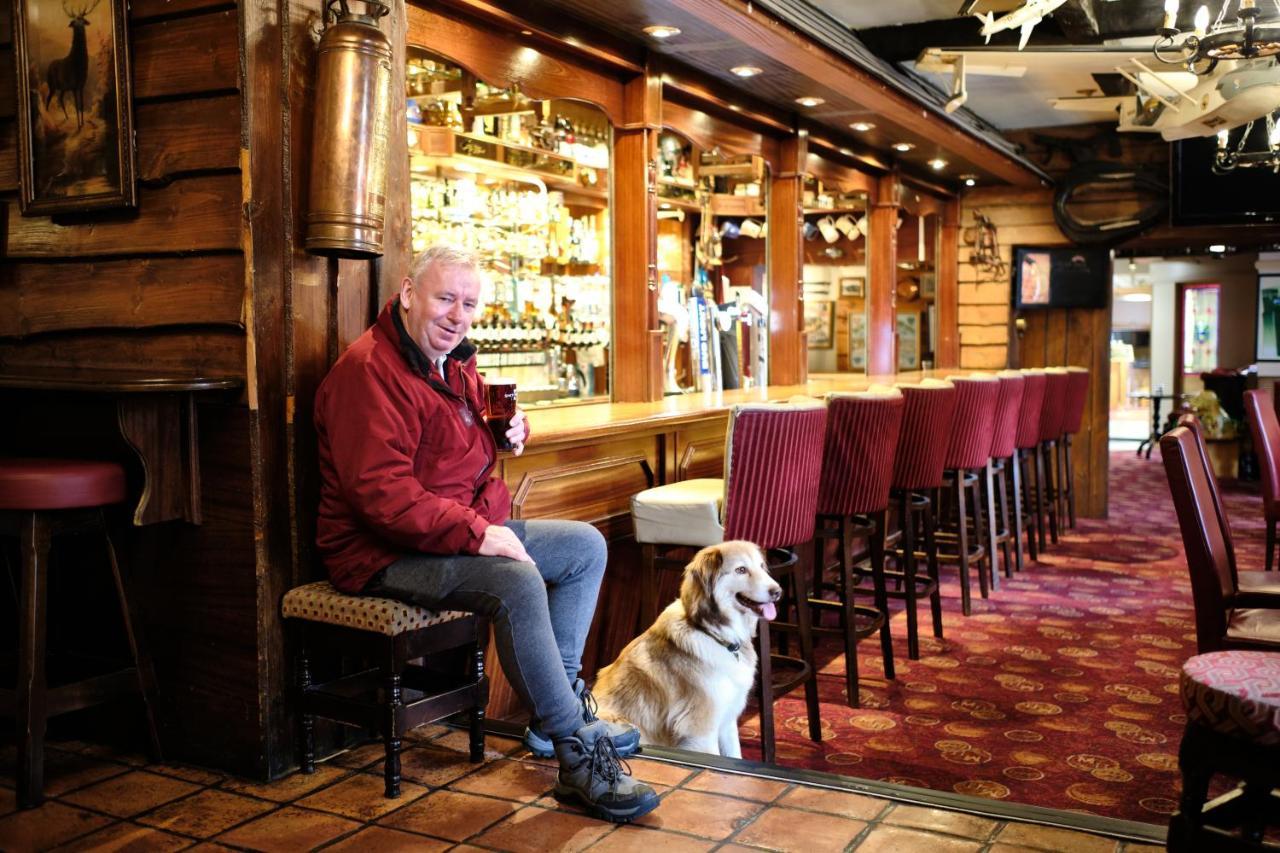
{"x": 397, "y": 232}
{"x": 786, "y": 263}
{"x": 947, "y": 270}
{"x": 592, "y": 483}
{"x": 133, "y": 293}
{"x": 352, "y": 304}
{"x": 143, "y": 10}
{"x": 186, "y": 56}
{"x": 8, "y": 149}
{"x": 1088, "y": 345}
{"x": 182, "y": 352}
{"x": 635, "y": 242}
{"x": 882, "y": 269}
{"x": 699, "y": 450}
{"x": 194, "y": 214}
{"x": 501, "y": 57}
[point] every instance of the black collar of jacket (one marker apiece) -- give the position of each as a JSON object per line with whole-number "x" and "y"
{"x": 417, "y": 359}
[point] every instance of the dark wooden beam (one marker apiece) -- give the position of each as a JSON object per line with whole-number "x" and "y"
{"x": 1078, "y": 21}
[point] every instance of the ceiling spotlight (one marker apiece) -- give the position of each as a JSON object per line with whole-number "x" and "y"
{"x": 848, "y": 152}
{"x": 1217, "y": 248}
{"x": 1135, "y": 297}
{"x": 862, "y": 126}
{"x": 659, "y": 31}
{"x": 937, "y": 164}
{"x": 969, "y": 180}
{"x": 809, "y": 101}
{"x": 902, "y": 147}
{"x": 746, "y": 70}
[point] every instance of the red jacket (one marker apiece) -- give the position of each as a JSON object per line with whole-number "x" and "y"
{"x": 405, "y": 456}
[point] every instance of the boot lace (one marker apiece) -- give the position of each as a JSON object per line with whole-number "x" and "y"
{"x": 606, "y": 764}
{"x": 589, "y": 705}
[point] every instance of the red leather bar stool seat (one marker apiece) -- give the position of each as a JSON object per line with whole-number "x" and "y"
{"x": 1027, "y": 439}
{"x": 968, "y": 454}
{"x": 1052, "y": 415}
{"x": 917, "y": 475}
{"x": 42, "y": 484}
{"x": 1072, "y": 420}
{"x": 853, "y": 500}
{"x": 40, "y": 498}
{"x": 769, "y": 496}
{"x": 1232, "y": 703}
{"x": 1007, "y": 485}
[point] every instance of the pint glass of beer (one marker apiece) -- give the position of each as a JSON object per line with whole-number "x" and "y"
{"x": 500, "y": 407}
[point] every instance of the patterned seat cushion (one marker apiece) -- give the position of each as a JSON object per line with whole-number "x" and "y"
{"x": 320, "y": 602}
{"x": 1235, "y": 693}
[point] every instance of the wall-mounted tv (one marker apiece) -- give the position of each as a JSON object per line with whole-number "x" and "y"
{"x": 1243, "y": 196}
{"x": 1060, "y": 277}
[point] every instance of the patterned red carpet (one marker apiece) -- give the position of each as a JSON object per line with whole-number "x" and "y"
{"x": 1061, "y": 690}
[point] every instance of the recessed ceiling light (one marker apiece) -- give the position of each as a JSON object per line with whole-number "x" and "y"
{"x": 526, "y": 32}
{"x": 735, "y": 108}
{"x": 902, "y": 147}
{"x": 659, "y": 31}
{"x": 809, "y": 101}
{"x": 938, "y": 164}
{"x": 1136, "y": 297}
{"x": 862, "y": 126}
{"x": 1217, "y": 247}
{"x": 969, "y": 180}
{"x": 848, "y": 152}
{"x": 746, "y": 70}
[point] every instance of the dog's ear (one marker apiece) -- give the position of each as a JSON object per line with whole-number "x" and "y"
{"x": 697, "y": 590}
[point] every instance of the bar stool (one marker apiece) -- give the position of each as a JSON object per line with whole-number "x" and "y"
{"x": 917, "y": 475}
{"x": 1263, "y": 425}
{"x": 1232, "y": 704}
{"x": 853, "y": 500}
{"x": 968, "y": 454}
{"x": 1028, "y": 443}
{"x": 769, "y": 496}
{"x": 1052, "y": 415}
{"x": 1004, "y": 451}
{"x": 1072, "y": 419}
{"x": 39, "y": 499}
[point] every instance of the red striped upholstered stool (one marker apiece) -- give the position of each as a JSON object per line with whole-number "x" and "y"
{"x": 1232, "y": 700}
{"x": 967, "y": 526}
{"x": 917, "y": 475}
{"x": 857, "y": 466}
{"x": 39, "y": 499}
{"x": 390, "y": 694}
{"x": 769, "y": 496}
{"x": 1072, "y": 420}
{"x": 1048, "y": 478}
{"x": 1004, "y": 448}
{"x": 1028, "y": 442}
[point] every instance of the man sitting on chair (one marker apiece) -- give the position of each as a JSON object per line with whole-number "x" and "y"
{"x": 409, "y": 509}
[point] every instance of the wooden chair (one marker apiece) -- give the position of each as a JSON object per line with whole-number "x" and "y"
{"x": 392, "y": 695}
{"x": 1261, "y": 413}
{"x": 40, "y": 499}
{"x": 769, "y": 496}
{"x": 1223, "y": 620}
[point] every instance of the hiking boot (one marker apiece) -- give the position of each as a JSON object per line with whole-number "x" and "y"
{"x": 594, "y": 777}
{"x": 625, "y": 737}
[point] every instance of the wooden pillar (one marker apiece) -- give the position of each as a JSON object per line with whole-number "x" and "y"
{"x": 786, "y": 264}
{"x": 882, "y": 269}
{"x": 948, "y": 287}
{"x": 637, "y": 341}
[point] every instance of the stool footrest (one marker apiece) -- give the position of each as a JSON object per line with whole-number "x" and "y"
{"x": 340, "y": 700}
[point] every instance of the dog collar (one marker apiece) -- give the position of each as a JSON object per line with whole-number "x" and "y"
{"x": 732, "y": 647}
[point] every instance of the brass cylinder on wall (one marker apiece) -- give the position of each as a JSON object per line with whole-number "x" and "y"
{"x": 349, "y": 142}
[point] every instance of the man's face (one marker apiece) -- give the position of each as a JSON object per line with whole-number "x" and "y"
{"x": 440, "y": 307}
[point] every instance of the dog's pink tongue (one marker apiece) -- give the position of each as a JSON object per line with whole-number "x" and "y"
{"x": 768, "y": 611}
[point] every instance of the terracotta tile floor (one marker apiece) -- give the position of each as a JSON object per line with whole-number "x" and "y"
{"x": 101, "y": 801}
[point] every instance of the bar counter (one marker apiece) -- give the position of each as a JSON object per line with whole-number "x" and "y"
{"x": 585, "y": 462}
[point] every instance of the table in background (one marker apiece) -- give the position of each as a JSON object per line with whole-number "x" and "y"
{"x": 1156, "y": 399}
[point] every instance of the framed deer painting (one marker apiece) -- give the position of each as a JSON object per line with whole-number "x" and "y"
{"x": 75, "y": 106}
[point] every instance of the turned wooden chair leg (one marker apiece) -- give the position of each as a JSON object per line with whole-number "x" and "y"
{"x": 32, "y": 711}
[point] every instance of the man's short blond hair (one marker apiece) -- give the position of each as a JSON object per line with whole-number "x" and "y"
{"x": 443, "y": 255}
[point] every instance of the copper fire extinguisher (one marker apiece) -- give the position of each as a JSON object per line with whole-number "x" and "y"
{"x": 349, "y": 143}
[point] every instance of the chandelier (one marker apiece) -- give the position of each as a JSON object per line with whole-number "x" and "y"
{"x": 1241, "y": 155}
{"x": 1201, "y": 50}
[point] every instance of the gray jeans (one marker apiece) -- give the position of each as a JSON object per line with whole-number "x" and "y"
{"x": 540, "y": 616}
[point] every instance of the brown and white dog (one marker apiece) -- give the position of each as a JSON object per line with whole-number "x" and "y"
{"x": 684, "y": 681}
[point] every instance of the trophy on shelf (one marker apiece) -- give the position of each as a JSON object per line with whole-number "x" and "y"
{"x": 675, "y": 322}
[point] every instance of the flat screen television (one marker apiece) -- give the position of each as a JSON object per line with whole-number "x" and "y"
{"x": 1060, "y": 277}
{"x": 1240, "y": 197}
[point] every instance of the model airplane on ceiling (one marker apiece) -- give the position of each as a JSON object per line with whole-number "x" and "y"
{"x": 1025, "y": 17}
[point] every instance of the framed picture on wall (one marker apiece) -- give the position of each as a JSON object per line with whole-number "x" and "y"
{"x": 1268, "y": 338}
{"x": 852, "y": 286}
{"x": 908, "y": 341}
{"x": 858, "y": 341}
{"x": 75, "y": 106}
{"x": 819, "y": 320}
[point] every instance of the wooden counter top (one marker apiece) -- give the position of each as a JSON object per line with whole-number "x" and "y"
{"x": 551, "y": 425}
